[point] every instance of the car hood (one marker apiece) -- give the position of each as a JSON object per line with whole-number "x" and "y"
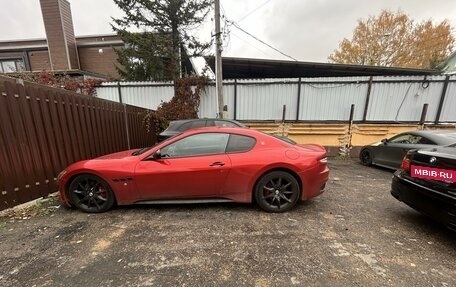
{"x": 119, "y": 155}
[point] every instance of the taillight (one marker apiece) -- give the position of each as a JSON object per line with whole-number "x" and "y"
{"x": 405, "y": 165}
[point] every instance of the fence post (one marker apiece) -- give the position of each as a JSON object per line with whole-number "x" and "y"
{"x": 350, "y": 121}
{"x": 442, "y": 99}
{"x": 366, "y": 106}
{"x": 423, "y": 114}
{"x": 126, "y": 125}
{"x": 235, "y": 99}
{"x": 284, "y": 110}
{"x": 350, "y": 126}
{"x": 298, "y": 104}
{"x": 119, "y": 90}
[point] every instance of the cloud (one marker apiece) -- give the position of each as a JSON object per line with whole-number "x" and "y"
{"x": 306, "y": 30}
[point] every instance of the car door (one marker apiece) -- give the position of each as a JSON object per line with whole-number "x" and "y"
{"x": 192, "y": 167}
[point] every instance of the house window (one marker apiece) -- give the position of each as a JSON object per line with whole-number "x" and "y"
{"x": 11, "y": 65}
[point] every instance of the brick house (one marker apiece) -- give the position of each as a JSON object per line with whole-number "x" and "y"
{"x": 61, "y": 51}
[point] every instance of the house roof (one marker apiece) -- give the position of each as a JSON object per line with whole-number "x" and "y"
{"x": 41, "y": 43}
{"x": 245, "y": 68}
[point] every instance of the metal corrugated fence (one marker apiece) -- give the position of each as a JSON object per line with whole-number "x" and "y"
{"x": 147, "y": 95}
{"x": 43, "y": 130}
{"x": 376, "y": 99}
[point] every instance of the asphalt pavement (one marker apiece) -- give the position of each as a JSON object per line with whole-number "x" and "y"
{"x": 354, "y": 234}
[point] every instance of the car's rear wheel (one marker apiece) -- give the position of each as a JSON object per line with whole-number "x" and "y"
{"x": 365, "y": 157}
{"x": 277, "y": 191}
{"x": 90, "y": 193}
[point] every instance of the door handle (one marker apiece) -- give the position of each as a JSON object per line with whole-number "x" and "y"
{"x": 217, "y": 163}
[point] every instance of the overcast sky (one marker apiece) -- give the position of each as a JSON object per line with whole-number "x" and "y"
{"x": 308, "y": 30}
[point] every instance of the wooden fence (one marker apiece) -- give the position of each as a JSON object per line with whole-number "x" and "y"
{"x": 43, "y": 130}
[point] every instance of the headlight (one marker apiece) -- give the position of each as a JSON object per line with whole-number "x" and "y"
{"x": 324, "y": 160}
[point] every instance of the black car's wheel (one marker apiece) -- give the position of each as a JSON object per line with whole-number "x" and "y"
{"x": 365, "y": 157}
{"x": 90, "y": 193}
{"x": 277, "y": 191}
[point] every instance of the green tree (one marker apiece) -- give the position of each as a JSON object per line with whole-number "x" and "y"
{"x": 154, "y": 33}
{"x": 393, "y": 39}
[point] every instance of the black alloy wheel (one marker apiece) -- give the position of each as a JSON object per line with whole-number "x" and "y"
{"x": 90, "y": 193}
{"x": 277, "y": 191}
{"x": 365, "y": 157}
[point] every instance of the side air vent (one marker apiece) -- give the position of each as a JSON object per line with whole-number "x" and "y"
{"x": 122, "y": 179}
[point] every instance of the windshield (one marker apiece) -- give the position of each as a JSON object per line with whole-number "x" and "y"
{"x": 143, "y": 150}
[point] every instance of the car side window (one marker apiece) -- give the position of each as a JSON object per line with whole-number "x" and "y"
{"x": 424, "y": 140}
{"x": 197, "y": 145}
{"x": 403, "y": 139}
{"x": 415, "y": 139}
{"x": 238, "y": 143}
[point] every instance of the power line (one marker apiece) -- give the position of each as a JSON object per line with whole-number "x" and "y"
{"x": 253, "y": 11}
{"x": 264, "y": 43}
{"x": 250, "y": 44}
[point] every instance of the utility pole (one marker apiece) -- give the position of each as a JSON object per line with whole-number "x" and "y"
{"x": 218, "y": 60}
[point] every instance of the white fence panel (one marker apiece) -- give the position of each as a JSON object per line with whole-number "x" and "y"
{"x": 209, "y": 106}
{"x": 403, "y": 100}
{"x": 265, "y": 101}
{"x": 332, "y": 101}
{"x": 392, "y": 99}
{"x": 108, "y": 93}
{"x": 147, "y": 95}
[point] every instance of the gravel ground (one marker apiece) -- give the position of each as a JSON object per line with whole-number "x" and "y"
{"x": 354, "y": 234}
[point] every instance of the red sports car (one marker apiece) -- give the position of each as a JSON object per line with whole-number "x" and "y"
{"x": 214, "y": 164}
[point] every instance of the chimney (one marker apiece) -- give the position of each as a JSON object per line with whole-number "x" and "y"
{"x": 58, "y": 24}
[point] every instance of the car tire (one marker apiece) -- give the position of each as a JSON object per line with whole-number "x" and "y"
{"x": 277, "y": 191}
{"x": 365, "y": 156}
{"x": 90, "y": 193}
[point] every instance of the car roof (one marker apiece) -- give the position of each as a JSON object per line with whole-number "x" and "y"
{"x": 441, "y": 137}
{"x": 203, "y": 119}
{"x": 236, "y": 130}
{"x": 231, "y": 130}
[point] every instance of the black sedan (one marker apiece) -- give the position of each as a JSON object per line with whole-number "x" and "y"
{"x": 180, "y": 126}
{"x": 426, "y": 181}
{"x": 390, "y": 152}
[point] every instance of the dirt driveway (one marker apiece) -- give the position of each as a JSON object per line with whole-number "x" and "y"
{"x": 355, "y": 234}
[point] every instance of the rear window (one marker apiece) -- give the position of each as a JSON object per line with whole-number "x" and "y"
{"x": 238, "y": 143}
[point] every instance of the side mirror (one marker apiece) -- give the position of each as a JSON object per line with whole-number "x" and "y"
{"x": 384, "y": 141}
{"x": 157, "y": 155}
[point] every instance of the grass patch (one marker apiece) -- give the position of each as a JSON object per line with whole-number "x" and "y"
{"x": 41, "y": 207}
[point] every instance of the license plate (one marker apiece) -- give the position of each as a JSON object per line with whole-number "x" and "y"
{"x": 445, "y": 175}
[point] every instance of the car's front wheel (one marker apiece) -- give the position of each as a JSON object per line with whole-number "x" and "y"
{"x": 90, "y": 193}
{"x": 277, "y": 191}
{"x": 365, "y": 157}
